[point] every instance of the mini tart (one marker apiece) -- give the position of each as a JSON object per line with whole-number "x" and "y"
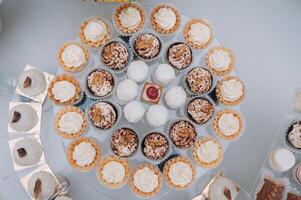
{"x": 117, "y": 21}
{"x": 223, "y": 99}
{"x": 70, "y": 79}
{"x": 73, "y": 162}
{"x": 103, "y": 164}
{"x": 169, "y": 164}
{"x": 203, "y": 164}
{"x": 143, "y": 194}
{"x": 232, "y": 135}
{"x": 72, "y": 68}
{"x": 190, "y": 41}
{"x": 227, "y": 67}
{"x": 61, "y": 113}
{"x": 99, "y": 42}
{"x": 158, "y": 27}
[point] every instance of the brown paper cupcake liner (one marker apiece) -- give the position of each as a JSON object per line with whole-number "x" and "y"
{"x": 71, "y": 79}
{"x": 139, "y": 193}
{"x": 157, "y": 27}
{"x": 72, "y": 69}
{"x": 204, "y": 164}
{"x": 187, "y": 87}
{"x": 87, "y": 91}
{"x": 146, "y": 31}
{"x": 131, "y": 56}
{"x": 184, "y": 110}
{"x": 118, "y": 111}
{"x": 168, "y": 153}
{"x": 58, "y": 116}
{"x": 105, "y": 161}
{"x": 135, "y": 153}
{"x": 124, "y": 30}
{"x": 220, "y": 97}
{"x": 167, "y": 168}
{"x": 213, "y": 69}
{"x": 216, "y": 129}
{"x": 72, "y": 162}
{"x": 190, "y": 41}
{"x": 95, "y": 44}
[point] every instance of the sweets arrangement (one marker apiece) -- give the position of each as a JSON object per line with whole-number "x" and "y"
{"x": 145, "y": 88}
{"x": 280, "y": 176}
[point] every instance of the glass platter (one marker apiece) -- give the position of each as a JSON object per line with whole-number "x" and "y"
{"x": 85, "y": 185}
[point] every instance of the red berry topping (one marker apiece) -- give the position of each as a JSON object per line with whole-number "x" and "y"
{"x": 152, "y": 92}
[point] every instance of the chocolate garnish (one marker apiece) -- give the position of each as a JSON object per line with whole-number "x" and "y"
{"x": 27, "y": 83}
{"x": 37, "y": 188}
{"x": 227, "y": 194}
{"x": 21, "y": 152}
{"x": 16, "y": 117}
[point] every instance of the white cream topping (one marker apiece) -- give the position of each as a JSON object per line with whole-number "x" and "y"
{"x": 180, "y": 173}
{"x": 84, "y": 154}
{"x": 220, "y": 59}
{"x": 166, "y": 18}
{"x": 130, "y": 18}
{"x": 228, "y": 124}
{"x": 95, "y": 30}
{"x": 232, "y": 90}
{"x": 73, "y": 56}
{"x": 113, "y": 172}
{"x": 146, "y": 180}
{"x": 71, "y": 122}
{"x": 208, "y": 151}
{"x": 199, "y": 33}
{"x": 63, "y": 91}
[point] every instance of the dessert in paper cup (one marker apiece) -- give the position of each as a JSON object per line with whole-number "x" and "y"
{"x": 83, "y": 154}
{"x": 116, "y": 55}
{"x": 165, "y": 19}
{"x": 104, "y": 114}
{"x": 64, "y": 90}
{"x": 70, "y": 122}
{"x": 129, "y": 18}
{"x": 179, "y": 173}
{"x": 182, "y": 133}
{"x": 73, "y": 56}
{"x": 179, "y": 55}
{"x": 155, "y": 147}
{"x": 99, "y": 83}
{"x": 113, "y": 172}
{"x": 146, "y": 45}
{"x": 124, "y": 142}
{"x": 95, "y": 31}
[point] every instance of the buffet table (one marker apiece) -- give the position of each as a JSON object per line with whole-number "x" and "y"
{"x": 267, "y": 98}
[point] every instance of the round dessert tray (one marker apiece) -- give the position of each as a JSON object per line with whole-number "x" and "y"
{"x": 86, "y": 185}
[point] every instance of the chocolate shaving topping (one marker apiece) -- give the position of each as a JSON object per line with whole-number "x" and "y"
{"x": 37, "y": 188}
{"x": 16, "y": 117}
{"x": 21, "y": 152}
{"x": 27, "y": 83}
{"x": 227, "y": 194}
